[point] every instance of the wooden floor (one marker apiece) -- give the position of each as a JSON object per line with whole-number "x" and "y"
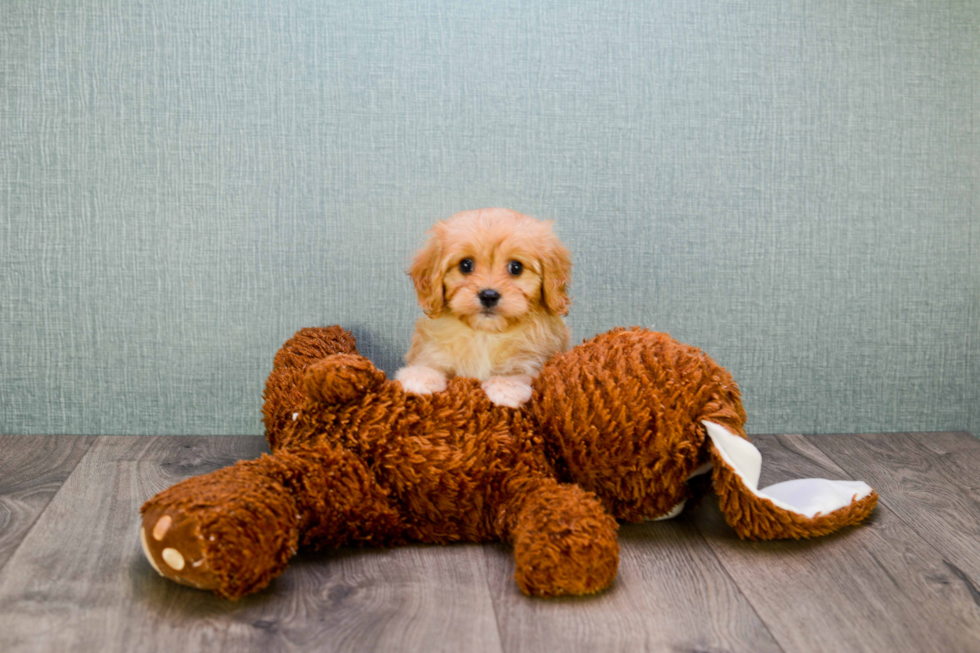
{"x": 72, "y": 577}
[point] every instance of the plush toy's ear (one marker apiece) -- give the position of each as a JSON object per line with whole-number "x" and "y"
{"x": 801, "y": 508}
{"x": 427, "y": 273}
{"x": 341, "y": 379}
{"x": 556, "y": 273}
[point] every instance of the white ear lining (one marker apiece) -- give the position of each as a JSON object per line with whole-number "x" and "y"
{"x": 806, "y": 496}
{"x": 740, "y": 454}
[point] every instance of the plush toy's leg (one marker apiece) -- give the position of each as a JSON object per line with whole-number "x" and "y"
{"x": 801, "y": 508}
{"x": 235, "y": 529}
{"x": 564, "y": 541}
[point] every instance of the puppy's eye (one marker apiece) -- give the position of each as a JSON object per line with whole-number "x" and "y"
{"x": 515, "y": 267}
{"x": 466, "y": 265}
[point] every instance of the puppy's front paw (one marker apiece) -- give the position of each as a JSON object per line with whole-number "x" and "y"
{"x": 421, "y": 380}
{"x": 510, "y": 391}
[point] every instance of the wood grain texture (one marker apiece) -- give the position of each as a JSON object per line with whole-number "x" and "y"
{"x": 32, "y": 470}
{"x": 671, "y": 594}
{"x": 904, "y": 581}
{"x": 931, "y": 481}
{"x": 80, "y": 581}
{"x": 874, "y": 587}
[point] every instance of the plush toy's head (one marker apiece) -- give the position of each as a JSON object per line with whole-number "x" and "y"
{"x": 622, "y": 415}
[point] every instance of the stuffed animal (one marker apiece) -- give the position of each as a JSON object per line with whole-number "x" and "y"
{"x": 626, "y": 426}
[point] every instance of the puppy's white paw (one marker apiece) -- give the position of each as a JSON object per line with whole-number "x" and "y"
{"x": 510, "y": 391}
{"x": 421, "y": 380}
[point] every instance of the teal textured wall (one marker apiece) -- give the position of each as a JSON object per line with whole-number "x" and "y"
{"x": 792, "y": 186}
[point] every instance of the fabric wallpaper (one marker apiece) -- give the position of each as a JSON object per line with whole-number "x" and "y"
{"x": 791, "y": 186}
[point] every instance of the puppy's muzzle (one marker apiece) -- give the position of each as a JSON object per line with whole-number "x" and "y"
{"x": 488, "y": 297}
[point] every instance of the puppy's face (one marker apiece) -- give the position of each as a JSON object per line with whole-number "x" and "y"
{"x": 492, "y": 268}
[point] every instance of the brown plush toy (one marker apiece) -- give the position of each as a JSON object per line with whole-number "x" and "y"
{"x": 624, "y": 426}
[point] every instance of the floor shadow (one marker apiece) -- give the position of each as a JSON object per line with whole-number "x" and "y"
{"x": 169, "y": 599}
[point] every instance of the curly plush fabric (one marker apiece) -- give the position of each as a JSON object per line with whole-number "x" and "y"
{"x": 615, "y": 428}
{"x": 633, "y": 401}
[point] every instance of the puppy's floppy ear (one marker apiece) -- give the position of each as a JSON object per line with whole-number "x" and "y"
{"x": 427, "y": 273}
{"x": 556, "y": 273}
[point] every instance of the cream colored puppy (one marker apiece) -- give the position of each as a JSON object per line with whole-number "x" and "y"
{"x": 493, "y": 284}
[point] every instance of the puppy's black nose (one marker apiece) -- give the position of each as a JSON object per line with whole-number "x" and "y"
{"x": 488, "y": 297}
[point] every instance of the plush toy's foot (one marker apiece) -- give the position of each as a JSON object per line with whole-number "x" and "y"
{"x": 421, "y": 380}
{"x": 172, "y": 543}
{"x": 235, "y": 529}
{"x": 793, "y": 509}
{"x": 510, "y": 391}
{"x": 231, "y": 531}
{"x": 564, "y": 542}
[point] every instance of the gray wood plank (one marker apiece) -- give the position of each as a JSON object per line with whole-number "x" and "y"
{"x": 80, "y": 582}
{"x": 670, "y": 594}
{"x": 415, "y": 598}
{"x": 904, "y": 581}
{"x": 874, "y": 587}
{"x": 32, "y": 469}
{"x": 931, "y": 480}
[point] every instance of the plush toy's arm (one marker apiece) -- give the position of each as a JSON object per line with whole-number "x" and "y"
{"x": 235, "y": 529}
{"x": 564, "y": 540}
{"x": 284, "y": 392}
{"x": 801, "y": 508}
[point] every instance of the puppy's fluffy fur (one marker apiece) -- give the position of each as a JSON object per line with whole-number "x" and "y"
{"x": 504, "y": 341}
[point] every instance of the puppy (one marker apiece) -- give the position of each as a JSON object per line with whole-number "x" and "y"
{"x": 493, "y": 284}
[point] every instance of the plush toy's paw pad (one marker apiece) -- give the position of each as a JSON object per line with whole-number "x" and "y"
{"x": 510, "y": 391}
{"x": 174, "y": 549}
{"x": 421, "y": 380}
